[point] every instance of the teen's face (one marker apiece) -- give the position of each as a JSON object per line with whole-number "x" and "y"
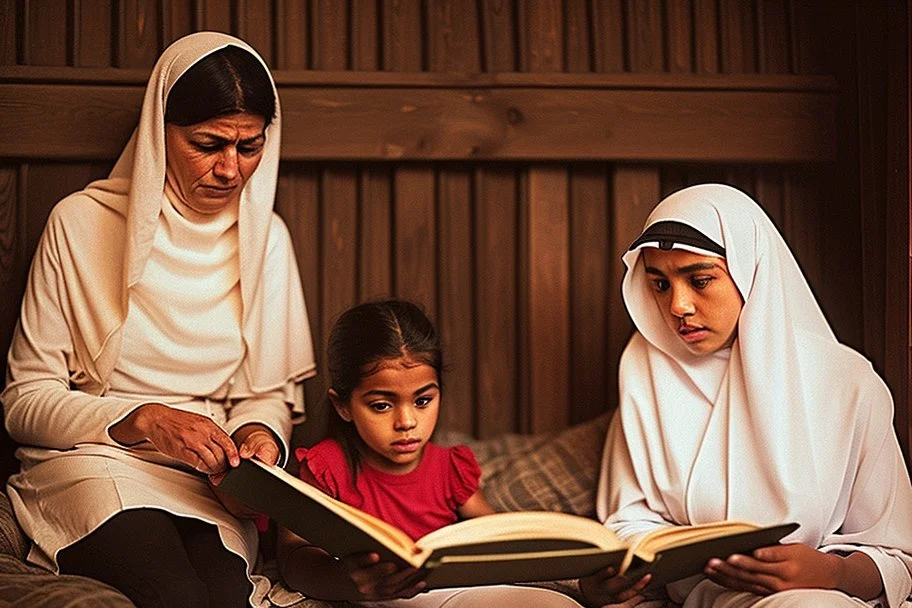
{"x": 394, "y": 411}
{"x": 696, "y": 296}
{"x": 209, "y": 162}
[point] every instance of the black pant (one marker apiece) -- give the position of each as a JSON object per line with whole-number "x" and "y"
{"x": 160, "y": 560}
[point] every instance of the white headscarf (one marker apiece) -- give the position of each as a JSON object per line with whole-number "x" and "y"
{"x": 274, "y": 323}
{"x": 787, "y": 425}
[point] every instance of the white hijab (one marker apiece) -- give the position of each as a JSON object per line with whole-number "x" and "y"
{"x": 787, "y": 425}
{"x": 274, "y": 323}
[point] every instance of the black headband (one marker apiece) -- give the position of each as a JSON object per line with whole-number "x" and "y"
{"x": 667, "y": 232}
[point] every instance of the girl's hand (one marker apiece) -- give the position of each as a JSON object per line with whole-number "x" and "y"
{"x": 604, "y": 589}
{"x": 376, "y": 580}
{"x": 776, "y": 568}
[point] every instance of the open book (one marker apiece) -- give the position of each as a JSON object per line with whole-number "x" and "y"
{"x": 500, "y": 548}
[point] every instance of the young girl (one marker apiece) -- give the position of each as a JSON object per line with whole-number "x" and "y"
{"x": 737, "y": 402}
{"x": 385, "y": 367}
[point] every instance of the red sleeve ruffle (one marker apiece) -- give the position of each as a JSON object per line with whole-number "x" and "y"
{"x": 465, "y": 474}
{"x": 318, "y": 461}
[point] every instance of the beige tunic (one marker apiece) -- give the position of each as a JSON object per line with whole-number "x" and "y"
{"x": 101, "y": 333}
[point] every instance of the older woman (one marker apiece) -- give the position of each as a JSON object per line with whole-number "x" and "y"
{"x": 163, "y": 336}
{"x": 738, "y": 402}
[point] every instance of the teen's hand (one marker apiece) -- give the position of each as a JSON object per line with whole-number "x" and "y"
{"x": 604, "y": 589}
{"x": 376, "y": 580}
{"x": 776, "y": 568}
{"x": 191, "y": 438}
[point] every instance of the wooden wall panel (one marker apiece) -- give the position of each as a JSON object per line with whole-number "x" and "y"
{"x": 407, "y": 124}
{"x": 455, "y": 284}
{"x": 496, "y": 299}
{"x": 44, "y": 38}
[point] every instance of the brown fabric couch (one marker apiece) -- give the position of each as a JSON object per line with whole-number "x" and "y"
{"x": 549, "y": 471}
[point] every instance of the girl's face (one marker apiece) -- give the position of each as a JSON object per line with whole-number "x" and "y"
{"x": 696, "y": 296}
{"x": 394, "y": 410}
{"x": 209, "y": 162}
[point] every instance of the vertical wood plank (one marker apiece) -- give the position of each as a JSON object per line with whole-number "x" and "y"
{"x": 45, "y": 35}
{"x": 545, "y": 328}
{"x": 737, "y": 23}
{"x": 414, "y": 237}
{"x": 590, "y": 253}
{"x": 541, "y": 36}
{"x": 456, "y": 287}
{"x": 292, "y": 35}
{"x": 13, "y": 271}
{"x": 339, "y": 227}
{"x": 802, "y": 226}
{"x": 774, "y": 37}
{"x": 137, "y": 33}
{"x": 177, "y": 20}
{"x": 255, "y": 26}
{"x": 498, "y": 21}
{"x": 549, "y": 298}
{"x": 92, "y": 33}
{"x": 298, "y": 202}
{"x": 680, "y": 35}
{"x": 771, "y": 195}
{"x": 215, "y": 15}
{"x": 330, "y": 35}
{"x": 496, "y": 267}
{"x": 453, "y": 44}
{"x": 365, "y": 37}
{"x": 376, "y": 228}
{"x": 608, "y": 35}
{"x": 706, "y": 36}
{"x": 635, "y": 192}
{"x": 9, "y": 35}
{"x": 403, "y": 36}
{"x": 578, "y": 45}
{"x": 645, "y": 35}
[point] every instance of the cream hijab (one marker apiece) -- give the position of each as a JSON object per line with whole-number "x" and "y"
{"x": 274, "y": 320}
{"x": 787, "y": 425}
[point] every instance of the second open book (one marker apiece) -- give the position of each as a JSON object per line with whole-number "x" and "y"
{"x": 513, "y": 547}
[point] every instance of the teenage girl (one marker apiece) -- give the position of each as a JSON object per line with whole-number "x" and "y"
{"x": 385, "y": 369}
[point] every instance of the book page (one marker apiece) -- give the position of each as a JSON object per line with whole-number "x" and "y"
{"x": 520, "y": 531}
{"x": 676, "y": 536}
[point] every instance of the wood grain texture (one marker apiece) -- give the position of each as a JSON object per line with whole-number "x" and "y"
{"x": 414, "y": 236}
{"x": 737, "y": 23}
{"x": 138, "y": 30}
{"x": 92, "y": 32}
{"x": 680, "y": 35}
{"x": 591, "y": 298}
{"x": 706, "y": 37}
{"x": 331, "y": 42}
{"x": 9, "y": 36}
{"x": 453, "y": 44}
{"x": 609, "y": 48}
{"x": 375, "y": 266}
{"x": 455, "y": 283}
{"x": 496, "y": 299}
{"x": 44, "y": 37}
{"x": 645, "y": 41}
{"x": 292, "y": 38}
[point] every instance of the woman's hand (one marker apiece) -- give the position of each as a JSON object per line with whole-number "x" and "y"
{"x": 376, "y": 580}
{"x": 777, "y": 568}
{"x": 193, "y": 439}
{"x": 604, "y": 589}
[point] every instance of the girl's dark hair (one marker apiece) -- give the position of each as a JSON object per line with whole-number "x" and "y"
{"x": 227, "y": 81}
{"x": 363, "y": 338}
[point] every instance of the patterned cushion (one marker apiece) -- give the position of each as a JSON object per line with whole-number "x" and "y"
{"x": 547, "y": 472}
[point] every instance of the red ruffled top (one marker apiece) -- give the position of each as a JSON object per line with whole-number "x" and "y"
{"x": 417, "y": 502}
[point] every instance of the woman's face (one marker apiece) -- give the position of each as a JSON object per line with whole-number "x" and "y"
{"x": 209, "y": 162}
{"x": 696, "y": 296}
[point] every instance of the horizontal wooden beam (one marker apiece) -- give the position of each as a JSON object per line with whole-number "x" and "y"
{"x": 514, "y": 117}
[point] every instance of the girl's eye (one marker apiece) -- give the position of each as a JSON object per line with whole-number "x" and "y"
{"x": 661, "y": 285}
{"x": 423, "y": 401}
{"x": 380, "y": 406}
{"x": 700, "y": 282}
